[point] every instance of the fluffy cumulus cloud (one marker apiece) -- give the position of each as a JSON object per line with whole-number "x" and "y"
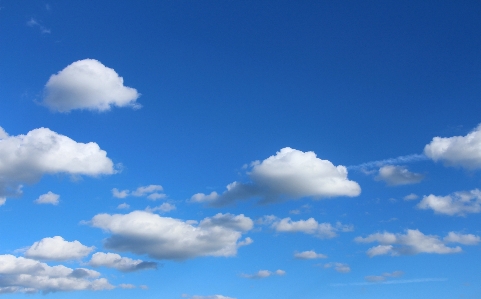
{"x": 159, "y": 237}
{"x": 310, "y": 226}
{"x": 463, "y": 151}
{"x": 26, "y": 158}
{"x": 124, "y": 264}
{"x": 264, "y": 274}
{"x": 23, "y": 275}
{"x": 309, "y": 255}
{"x": 411, "y": 196}
{"x": 48, "y": 198}
{"x": 456, "y": 204}
{"x": 339, "y": 267}
{"x": 384, "y": 276}
{"x": 398, "y": 175}
{"x": 88, "y": 84}
{"x": 152, "y": 192}
{"x": 290, "y": 174}
{"x": 414, "y": 242}
{"x": 57, "y": 249}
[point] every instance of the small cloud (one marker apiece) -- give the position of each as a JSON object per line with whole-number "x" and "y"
{"x": 411, "y": 196}
{"x": 455, "y": 204}
{"x": 124, "y": 264}
{"x": 123, "y": 206}
{"x": 309, "y": 255}
{"x": 120, "y": 194}
{"x": 263, "y": 274}
{"x": 339, "y": 267}
{"x": 57, "y": 249}
{"x": 126, "y": 286}
{"x": 384, "y": 276}
{"x": 164, "y": 208}
{"x": 48, "y": 198}
{"x": 34, "y": 23}
{"x": 143, "y": 287}
{"x": 398, "y": 175}
{"x": 155, "y": 196}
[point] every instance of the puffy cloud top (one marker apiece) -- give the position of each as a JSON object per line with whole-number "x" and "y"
{"x": 88, "y": 84}
{"x": 124, "y": 264}
{"x": 464, "y": 151}
{"x": 57, "y": 249}
{"x": 142, "y": 232}
{"x": 25, "y": 158}
{"x": 456, "y": 204}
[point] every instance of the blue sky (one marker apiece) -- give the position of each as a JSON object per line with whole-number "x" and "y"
{"x": 240, "y": 149}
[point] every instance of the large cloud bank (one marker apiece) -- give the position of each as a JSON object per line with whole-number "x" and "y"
{"x": 414, "y": 242}
{"x": 23, "y": 275}
{"x": 88, "y": 84}
{"x": 464, "y": 151}
{"x": 26, "y": 158}
{"x": 159, "y": 237}
{"x": 290, "y": 174}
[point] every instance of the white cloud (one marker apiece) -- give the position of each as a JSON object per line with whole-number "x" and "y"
{"x": 3, "y": 134}
{"x": 391, "y": 161}
{"x": 88, "y": 84}
{"x": 414, "y": 242}
{"x": 461, "y": 151}
{"x": 48, "y": 198}
{"x": 290, "y": 174}
{"x": 57, "y": 249}
{"x": 34, "y": 23}
{"x": 310, "y": 226}
{"x": 456, "y": 204}
{"x": 126, "y": 286}
{"x": 120, "y": 194}
{"x": 211, "y": 297}
{"x": 264, "y": 274}
{"x": 144, "y": 190}
{"x": 155, "y": 196}
{"x": 163, "y": 208}
{"x": 26, "y": 158}
{"x": 124, "y": 264}
{"x": 150, "y": 191}
{"x": 3, "y": 200}
{"x": 339, "y": 267}
{"x": 398, "y": 175}
{"x": 309, "y": 255}
{"x": 468, "y": 239}
{"x": 159, "y": 237}
{"x": 384, "y": 276}
{"x": 411, "y": 196}
{"x": 123, "y": 206}
{"x": 23, "y": 275}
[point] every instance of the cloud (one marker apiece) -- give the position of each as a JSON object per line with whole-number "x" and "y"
{"x": 48, "y": 198}
{"x": 455, "y": 204}
{"x": 3, "y": 134}
{"x": 23, "y": 275}
{"x": 339, "y": 267}
{"x": 398, "y": 160}
{"x": 384, "y": 276}
{"x": 120, "y": 194}
{"x": 151, "y": 192}
{"x": 263, "y": 274}
{"x": 159, "y": 237}
{"x": 290, "y": 174}
{"x": 123, "y": 206}
{"x": 57, "y": 249}
{"x": 126, "y": 286}
{"x": 463, "y": 151}
{"x": 310, "y": 226}
{"x": 309, "y": 255}
{"x": 26, "y": 158}
{"x": 142, "y": 191}
{"x": 411, "y": 196}
{"x": 413, "y": 242}
{"x": 211, "y": 297}
{"x": 124, "y": 264}
{"x": 34, "y": 23}
{"x": 163, "y": 208}
{"x": 468, "y": 239}
{"x": 88, "y": 84}
{"x": 398, "y": 175}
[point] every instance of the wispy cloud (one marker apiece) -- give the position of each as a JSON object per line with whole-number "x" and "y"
{"x": 418, "y": 280}
{"x": 34, "y": 23}
{"x": 398, "y": 160}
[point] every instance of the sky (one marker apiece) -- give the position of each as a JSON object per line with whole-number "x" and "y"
{"x": 240, "y": 149}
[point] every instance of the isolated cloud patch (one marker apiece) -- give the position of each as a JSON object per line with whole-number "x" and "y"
{"x": 159, "y": 237}
{"x": 23, "y": 275}
{"x": 384, "y": 276}
{"x": 412, "y": 242}
{"x": 124, "y": 264}
{"x": 398, "y": 175}
{"x": 263, "y": 274}
{"x": 310, "y": 226}
{"x": 48, "y": 198}
{"x": 309, "y": 255}
{"x": 463, "y": 151}
{"x": 211, "y": 297}
{"x": 455, "y": 204}
{"x": 152, "y": 192}
{"x": 339, "y": 267}
{"x": 290, "y": 174}
{"x": 88, "y": 84}
{"x": 26, "y": 158}
{"x": 57, "y": 249}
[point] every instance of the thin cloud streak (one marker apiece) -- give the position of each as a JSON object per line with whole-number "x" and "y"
{"x": 401, "y": 159}
{"x": 419, "y": 280}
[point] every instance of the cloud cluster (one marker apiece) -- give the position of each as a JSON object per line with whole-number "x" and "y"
{"x": 310, "y": 226}
{"x": 159, "y": 237}
{"x": 456, "y": 204}
{"x": 413, "y": 242}
{"x": 124, "y": 264}
{"x": 264, "y": 274}
{"x": 88, "y": 84}
{"x": 290, "y": 174}
{"x": 48, "y": 198}
{"x": 309, "y": 255}
{"x": 57, "y": 249}
{"x": 152, "y": 192}
{"x": 26, "y": 158}
{"x": 398, "y": 175}
{"x": 463, "y": 151}
{"x": 23, "y": 275}
{"x": 339, "y": 267}
{"x": 384, "y": 276}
